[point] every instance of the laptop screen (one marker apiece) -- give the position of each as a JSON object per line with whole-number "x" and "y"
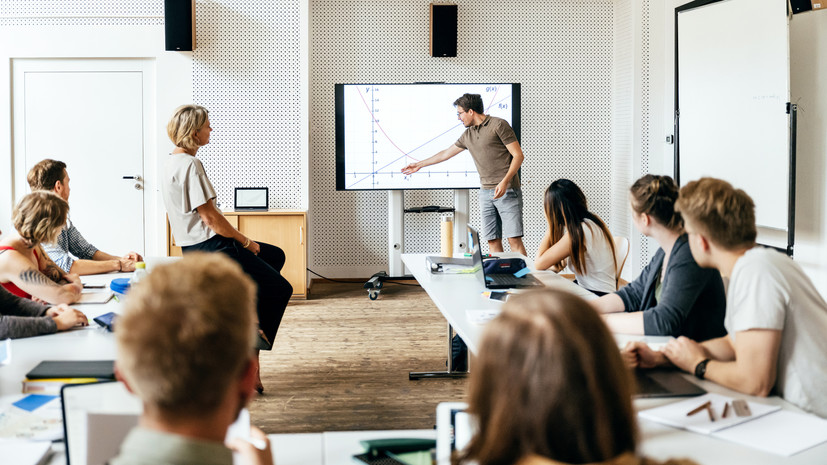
{"x": 476, "y": 253}
{"x": 96, "y": 419}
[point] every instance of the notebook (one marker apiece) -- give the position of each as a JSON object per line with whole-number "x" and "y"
{"x": 48, "y": 369}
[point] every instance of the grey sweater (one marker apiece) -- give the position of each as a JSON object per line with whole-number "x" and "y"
{"x": 692, "y": 301}
{"x": 21, "y": 317}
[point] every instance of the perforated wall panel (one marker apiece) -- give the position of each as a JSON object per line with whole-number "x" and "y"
{"x": 246, "y": 72}
{"x": 559, "y": 50}
{"x": 81, "y": 13}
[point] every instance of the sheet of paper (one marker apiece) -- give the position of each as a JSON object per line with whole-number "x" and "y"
{"x": 24, "y": 452}
{"x": 44, "y": 423}
{"x": 481, "y": 316}
{"x": 675, "y": 414}
{"x": 5, "y": 352}
{"x": 783, "y": 433}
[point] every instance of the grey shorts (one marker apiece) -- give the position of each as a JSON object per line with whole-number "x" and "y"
{"x": 502, "y": 217}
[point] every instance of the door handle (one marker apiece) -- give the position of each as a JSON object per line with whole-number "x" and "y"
{"x": 137, "y": 178}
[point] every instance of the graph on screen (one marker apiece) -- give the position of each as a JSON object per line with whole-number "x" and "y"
{"x": 380, "y": 128}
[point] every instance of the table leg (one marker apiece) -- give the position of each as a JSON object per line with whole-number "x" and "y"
{"x": 450, "y": 373}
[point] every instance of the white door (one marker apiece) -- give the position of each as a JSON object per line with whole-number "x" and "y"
{"x": 91, "y": 114}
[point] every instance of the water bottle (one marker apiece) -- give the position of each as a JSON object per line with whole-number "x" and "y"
{"x": 139, "y": 275}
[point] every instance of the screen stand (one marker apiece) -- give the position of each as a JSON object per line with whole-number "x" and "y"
{"x": 461, "y": 211}
{"x": 396, "y": 232}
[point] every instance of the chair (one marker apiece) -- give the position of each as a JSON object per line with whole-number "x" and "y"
{"x": 621, "y": 253}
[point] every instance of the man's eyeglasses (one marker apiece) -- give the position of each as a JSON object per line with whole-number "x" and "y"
{"x": 460, "y": 113}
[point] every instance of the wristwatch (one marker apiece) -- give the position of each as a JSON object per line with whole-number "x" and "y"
{"x": 700, "y": 369}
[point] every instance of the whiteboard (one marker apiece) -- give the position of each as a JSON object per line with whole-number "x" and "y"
{"x": 733, "y": 88}
{"x": 381, "y": 128}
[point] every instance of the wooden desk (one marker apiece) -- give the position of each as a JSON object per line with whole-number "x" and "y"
{"x": 286, "y": 229}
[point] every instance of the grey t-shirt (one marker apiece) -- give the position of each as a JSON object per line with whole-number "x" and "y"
{"x": 185, "y": 187}
{"x": 486, "y": 143}
{"x": 768, "y": 290}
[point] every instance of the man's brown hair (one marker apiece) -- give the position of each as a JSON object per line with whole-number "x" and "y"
{"x": 721, "y": 213}
{"x": 186, "y": 333}
{"x": 45, "y": 174}
{"x": 549, "y": 381}
{"x": 40, "y": 216}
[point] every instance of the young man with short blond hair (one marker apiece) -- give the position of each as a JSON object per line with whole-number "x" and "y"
{"x": 185, "y": 347}
{"x": 775, "y": 317}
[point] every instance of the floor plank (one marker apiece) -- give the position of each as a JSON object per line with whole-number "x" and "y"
{"x": 341, "y": 361}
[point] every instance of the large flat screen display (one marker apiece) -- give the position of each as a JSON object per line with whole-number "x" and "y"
{"x": 380, "y": 128}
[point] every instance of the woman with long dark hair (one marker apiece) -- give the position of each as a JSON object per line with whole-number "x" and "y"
{"x": 577, "y": 236}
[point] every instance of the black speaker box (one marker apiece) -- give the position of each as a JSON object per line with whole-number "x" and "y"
{"x": 179, "y": 24}
{"x": 443, "y": 30}
{"x": 800, "y": 6}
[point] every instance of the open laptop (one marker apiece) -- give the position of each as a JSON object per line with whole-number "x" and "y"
{"x": 664, "y": 383}
{"x": 96, "y": 419}
{"x": 98, "y": 416}
{"x": 496, "y": 281}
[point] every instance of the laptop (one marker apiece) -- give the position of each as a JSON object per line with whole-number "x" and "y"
{"x": 96, "y": 419}
{"x": 454, "y": 429}
{"x": 495, "y": 280}
{"x": 664, "y": 383}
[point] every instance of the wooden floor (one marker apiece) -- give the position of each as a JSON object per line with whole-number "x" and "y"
{"x": 341, "y": 362}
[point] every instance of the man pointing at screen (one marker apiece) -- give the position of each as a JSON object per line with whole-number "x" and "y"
{"x": 498, "y": 156}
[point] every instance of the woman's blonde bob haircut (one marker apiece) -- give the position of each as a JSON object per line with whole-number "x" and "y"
{"x": 40, "y": 216}
{"x": 185, "y": 122}
{"x": 549, "y": 381}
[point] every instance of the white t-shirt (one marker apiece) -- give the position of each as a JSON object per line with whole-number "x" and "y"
{"x": 600, "y": 265}
{"x": 768, "y": 290}
{"x": 185, "y": 187}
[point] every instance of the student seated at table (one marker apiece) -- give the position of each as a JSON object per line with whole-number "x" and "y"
{"x": 549, "y": 388}
{"x": 21, "y": 317}
{"x": 70, "y": 251}
{"x": 579, "y": 236}
{"x": 776, "y": 319}
{"x": 673, "y": 296}
{"x": 185, "y": 348}
{"x": 25, "y": 270}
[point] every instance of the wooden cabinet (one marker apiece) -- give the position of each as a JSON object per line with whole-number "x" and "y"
{"x": 286, "y": 229}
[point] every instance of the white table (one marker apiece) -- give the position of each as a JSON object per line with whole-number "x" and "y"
{"x": 453, "y": 294}
{"x": 83, "y": 343}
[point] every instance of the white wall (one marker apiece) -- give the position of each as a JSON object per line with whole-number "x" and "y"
{"x": 561, "y": 52}
{"x": 251, "y": 69}
{"x": 808, "y": 73}
{"x": 29, "y": 40}
{"x": 808, "y": 86}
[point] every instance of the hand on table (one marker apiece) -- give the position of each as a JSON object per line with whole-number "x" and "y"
{"x": 67, "y": 318}
{"x": 685, "y": 353}
{"x": 126, "y": 263}
{"x": 134, "y": 256}
{"x": 638, "y": 354}
{"x": 250, "y": 454}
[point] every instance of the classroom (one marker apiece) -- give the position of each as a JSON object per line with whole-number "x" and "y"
{"x": 94, "y": 84}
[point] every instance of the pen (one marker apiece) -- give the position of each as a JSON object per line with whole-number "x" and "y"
{"x": 699, "y": 408}
{"x": 94, "y": 286}
{"x": 726, "y": 410}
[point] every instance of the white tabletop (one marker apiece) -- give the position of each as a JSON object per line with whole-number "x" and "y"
{"x": 453, "y": 294}
{"x": 83, "y": 343}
